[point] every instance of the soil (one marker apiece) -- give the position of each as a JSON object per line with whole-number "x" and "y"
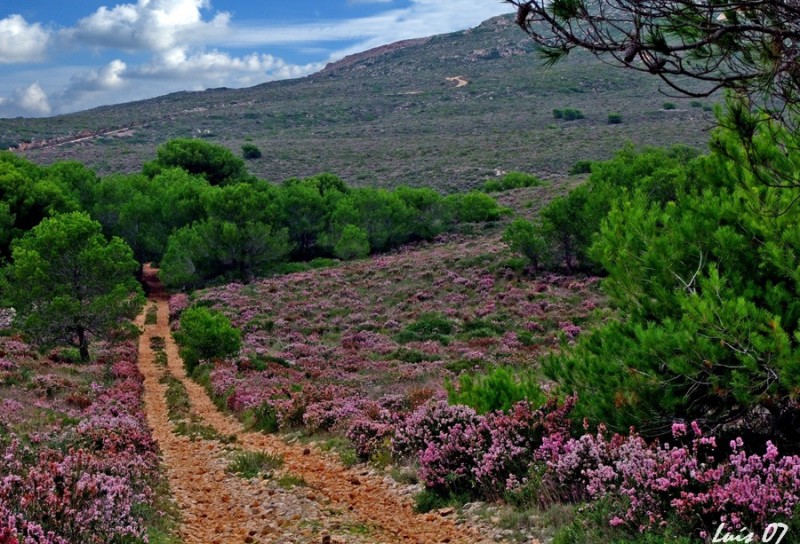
{"x": 336, "y": 504}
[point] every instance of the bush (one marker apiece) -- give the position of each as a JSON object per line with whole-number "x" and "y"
{"x": 487, "y": 455}
{"x": 249, "y": 464}
{"x": 558, "y": 114}
{"x": 527, "y": 239}
{"x": 700, "y": 262}
{"x": 571, "y": 114}
{"x": 427, "y": 327}
{"x": 352, "y": 244}
{"x": 512, "y": 180}
{"x": 499, "y": 389}
{"x": 474, "y": 207}
{"x": 668, "y": 106}
{"x": 583, "y": 166}
{"x": 206, "y": 335}
{"x": 250, "y": 152}
{"x": 215, "y": 163}
{"x": 614, "y": 118}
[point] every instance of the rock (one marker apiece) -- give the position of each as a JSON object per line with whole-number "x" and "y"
{"x": 446, "y": 511}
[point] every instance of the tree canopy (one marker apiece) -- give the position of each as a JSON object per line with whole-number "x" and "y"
{"x": 696, "y": 47}
{"x": 67, "y": 282}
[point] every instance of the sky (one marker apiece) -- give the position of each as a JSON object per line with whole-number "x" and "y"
{"x": 69, "y": 55}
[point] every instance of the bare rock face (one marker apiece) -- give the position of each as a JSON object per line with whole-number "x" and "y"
{"x": 351, "y": 61}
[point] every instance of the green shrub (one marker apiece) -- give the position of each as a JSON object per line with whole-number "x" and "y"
{"x": 498, "y": 389}
{"x": 696, "y": 104}
{"x": 322, "y": 262}
{"x": 206, "y": 334}
{"x": 250, "y": 152}
{"x": 428, "y": 327}
{"x": 352, "y": 244}
{"x": 428, "y": 500}
{"x": 249, "y": 464}
{"x": 558, "y": 114}
{"x": 512, "y": 180}
{"x": 583, "y": 166}
{"x": 572, "y": 114}
{"x": 528, "y": 240}
{"x": 614, "y": 118}
{"x": 668, "y": 106}
{"x": 701, "y": 261}
{"x": 474, "y": 207}
{"x": 68, "y": 355}
{"x": 263, "y": 419}
{"x": 413, "y": 356}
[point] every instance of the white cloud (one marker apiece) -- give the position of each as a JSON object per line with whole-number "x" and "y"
{"x": 180, "y": 64}
{"x": 421, "y": 18}
{"x": 30, "y": 100}
{"x": 175, "y": 70}
{"x": 20, "y": 41}
{"x": 186, "y": 45}
{"x": 149, "y": 25}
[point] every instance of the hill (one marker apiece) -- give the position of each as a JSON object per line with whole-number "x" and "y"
{"x": 447, "y": 111}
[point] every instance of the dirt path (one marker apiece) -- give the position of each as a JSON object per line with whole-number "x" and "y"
{"x": 337, "y": 505}
{"x": 459, "y": 80}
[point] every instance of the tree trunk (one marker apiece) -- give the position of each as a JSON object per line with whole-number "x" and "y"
{"x": 83, "y": 344}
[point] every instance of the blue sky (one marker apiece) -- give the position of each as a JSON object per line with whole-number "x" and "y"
{"x": 69, "y": 55}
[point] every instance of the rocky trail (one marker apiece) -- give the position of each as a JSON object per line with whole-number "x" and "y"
{"x": 327, "y": 503}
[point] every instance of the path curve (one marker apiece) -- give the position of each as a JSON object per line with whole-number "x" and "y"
{"x": 460, "y": 81}
{"x": 363, "y": 497}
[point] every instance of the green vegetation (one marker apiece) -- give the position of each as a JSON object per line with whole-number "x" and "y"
{"x": 561, "y": 236}
{"x": 69, "y": 284}
{"x": 512, "y": 180}
{"x": 499, "y": 389}
{"x": 335, "y": 121}
{"x": 614, "y": 118}
{"x": 568, "y": 114}
{"x": 215, "y": 163}
{"x": 206, "y": 335}
{"x": 251, "y": 152}
{"x": 700, "y": 258}
{"x": 249, "y": 464}
{"x": 428, "y": 327}
{"x": 353, "y": 244}
{"x": 151, "y": 318}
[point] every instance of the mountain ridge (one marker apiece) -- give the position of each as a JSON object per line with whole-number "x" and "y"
{"x": 447, "y": 111}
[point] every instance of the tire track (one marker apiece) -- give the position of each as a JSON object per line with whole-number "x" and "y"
{"x": 365, "y": 498}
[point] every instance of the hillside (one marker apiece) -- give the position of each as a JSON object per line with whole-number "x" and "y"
{"x": 447, "y": 111}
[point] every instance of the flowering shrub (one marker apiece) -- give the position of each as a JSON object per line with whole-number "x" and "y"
{"x": 695, "y": 480}
{"x": 460, "y": 451}
{"x": 427, "y": 424}
{"x": 83, "y": 483}
{"x": 369, "y": 436}
{"x": 177, "y": 304}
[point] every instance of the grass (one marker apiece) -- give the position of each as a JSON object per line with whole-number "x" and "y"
{"x": 426, "y": 501}
{"x": 249, "y": 464}
{"x": 179, "y": 412}
{"x": 343, "y": 448}
{"x": 158, "y": 345}
{"x": 151, "y": 317}
{"x": 290, "y": 481}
